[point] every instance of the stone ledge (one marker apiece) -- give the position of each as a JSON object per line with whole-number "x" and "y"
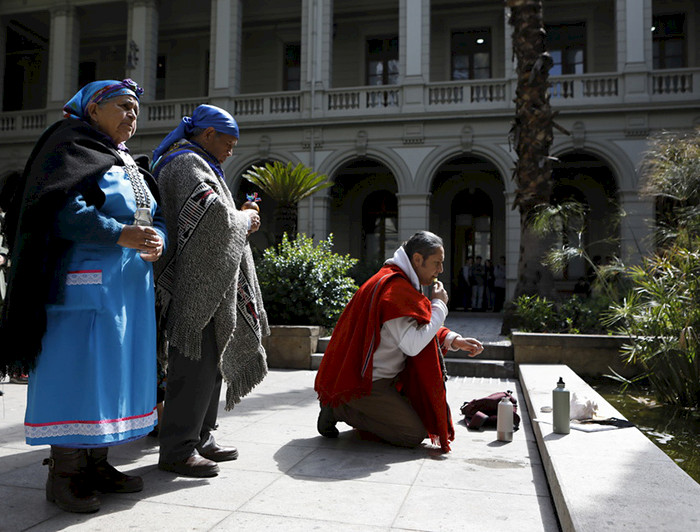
{"x": 296, "y": 330}
{"x": 586, "y": 354}
{"x": 610, "y": 480}
{"x": 291, "y": 346}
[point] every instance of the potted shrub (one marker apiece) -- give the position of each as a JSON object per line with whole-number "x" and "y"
{"x": 305, "y": 288}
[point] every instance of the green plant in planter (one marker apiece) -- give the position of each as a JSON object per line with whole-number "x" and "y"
{"x": 303, "y": 284}
{"x": 662, "y": 315}
{"x": 576, "y": 315}
{"x": 534, "y": 313}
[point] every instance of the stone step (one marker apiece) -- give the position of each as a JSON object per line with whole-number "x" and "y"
{"x": 474, "y": 367}
{"x": 469, "y": 367}
{"x": 502, "y": 350}
{"x": 323, "y": 343}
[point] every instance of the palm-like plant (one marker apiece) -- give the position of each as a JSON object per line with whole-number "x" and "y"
{"x": 532, "y": 136}
{"x": 662, "y": 315}
{"x": 287, "y": 185}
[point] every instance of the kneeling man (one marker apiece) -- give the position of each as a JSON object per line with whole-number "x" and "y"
{"x": 382, "y": 371}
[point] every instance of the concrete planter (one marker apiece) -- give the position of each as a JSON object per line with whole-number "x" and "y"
{"x": 586, "y": 354}
{"x": 291, "y": 346}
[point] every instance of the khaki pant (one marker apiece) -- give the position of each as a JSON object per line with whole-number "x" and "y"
{"x": 385, "y": 413}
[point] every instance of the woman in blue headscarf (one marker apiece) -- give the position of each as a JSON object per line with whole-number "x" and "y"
{"x": 85, "y": 230}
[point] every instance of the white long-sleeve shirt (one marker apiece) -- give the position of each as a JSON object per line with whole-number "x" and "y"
{"x": 403, "y": 337}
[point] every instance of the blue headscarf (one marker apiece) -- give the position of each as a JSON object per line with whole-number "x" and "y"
{"x": 96, "y": 92}
{"x": 203, "y": 116}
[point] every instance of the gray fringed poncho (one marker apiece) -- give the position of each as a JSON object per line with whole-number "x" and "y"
{"x": 208, "y": 274}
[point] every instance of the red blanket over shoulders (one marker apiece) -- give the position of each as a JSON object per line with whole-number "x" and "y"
{"x": 346, "y": 368}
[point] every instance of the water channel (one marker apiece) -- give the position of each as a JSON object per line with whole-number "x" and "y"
{"x": 676, "y": 431}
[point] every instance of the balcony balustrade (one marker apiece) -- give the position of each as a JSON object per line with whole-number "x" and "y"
{"x": 473, "y": 96}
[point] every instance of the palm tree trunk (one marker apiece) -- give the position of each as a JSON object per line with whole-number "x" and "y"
{"x": 285, "y": 221}
{"x": 532, "y": 135}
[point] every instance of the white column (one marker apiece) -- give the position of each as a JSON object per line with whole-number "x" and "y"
{"x": 3, "y": 41}
{"x": 225, "y": 55}
{"x": 634, "y": 46}
{"x": 512, "y": 245}
{"x": 63, "y": 56}
{"x": 509, "y": 66}
{"x": 316, "y": 52}
{"x": 414, "y": 212}
{"x": 414, "y": 50}
{"x": 636, "y": 226}
{"x": 314, "y": 215}
{"x": 142, "y": 45}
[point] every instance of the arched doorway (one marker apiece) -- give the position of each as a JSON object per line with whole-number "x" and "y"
{"x": 364, "y": 212}
{"x": 380, "y": 225}
{"x": 467, "y": 209}
{"x": 588, "y": 180}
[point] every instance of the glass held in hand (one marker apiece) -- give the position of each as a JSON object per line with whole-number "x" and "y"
{"x": 143, "y": 217}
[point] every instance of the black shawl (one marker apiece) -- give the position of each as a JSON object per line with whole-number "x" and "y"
{"x": 69, "y": 158}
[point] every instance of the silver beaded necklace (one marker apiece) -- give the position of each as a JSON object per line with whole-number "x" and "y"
{"x": 142, "y": 216}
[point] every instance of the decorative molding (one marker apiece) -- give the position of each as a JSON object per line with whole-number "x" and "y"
{"x": 361, "y": 141}
{"x": 317, "y": 133}
{"x": 466, "y": 138}
{"x": 413, "y": 134}
{"x": 264, "y": 147}
{"x": 637, "y": 125}
{"x": 578, "y": 135}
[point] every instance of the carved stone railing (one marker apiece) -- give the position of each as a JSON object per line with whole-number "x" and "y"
{"x": 584, "y": 87}
{"x": 356, "y": 100}
{"x": 22, "y": 122}
{"x": 571, "y": 91}
{"x": 167, "y": 112}
{"x": 672, "y": 82}
{"x": 468, "y": 92}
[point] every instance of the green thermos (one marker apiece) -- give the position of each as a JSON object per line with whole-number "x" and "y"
{"x": 560, "y": 408}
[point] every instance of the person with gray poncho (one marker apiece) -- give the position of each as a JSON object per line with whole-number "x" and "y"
{"x": 211, "y": 315}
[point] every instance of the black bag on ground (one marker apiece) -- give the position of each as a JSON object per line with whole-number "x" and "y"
{"x": 480, "y": 413}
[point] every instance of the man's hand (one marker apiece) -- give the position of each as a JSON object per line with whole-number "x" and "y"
{"x": 143, "y": 238}
{"x": 254, "y": 220}
{"x": 439, "y": 292}
{"x": 471, "y": 345}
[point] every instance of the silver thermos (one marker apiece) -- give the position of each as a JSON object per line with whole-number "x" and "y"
{"x": 504, "y": 423}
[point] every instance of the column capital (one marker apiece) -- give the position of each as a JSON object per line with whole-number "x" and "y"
{"x": 142, "y": 3}
{"x": 63, "y": 10}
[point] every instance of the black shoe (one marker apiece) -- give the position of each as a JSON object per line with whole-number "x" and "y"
{"x": 106, "y": 479}
{"x": 326, "y": 423}
{"x": 215, "y": 453}
{"x": 194, "y": 466}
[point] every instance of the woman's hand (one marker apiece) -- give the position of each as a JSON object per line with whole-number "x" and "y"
{"x": 145, "y": 239}
{"x": 471, "y": 345}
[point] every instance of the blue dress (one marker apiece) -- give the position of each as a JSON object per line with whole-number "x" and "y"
{"x": 94, "y": 384}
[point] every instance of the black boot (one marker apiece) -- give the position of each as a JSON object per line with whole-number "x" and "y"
{"x": 106, "y": 478}
{"x": 326, "y": 423}
{"x": 67, "y": 484}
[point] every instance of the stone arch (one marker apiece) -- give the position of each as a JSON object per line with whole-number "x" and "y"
{"x": 587, "y": 178}
{"x": 235, "y": 167}
{"x": 355, "y": 182}
{"x": 240, "y": 187}
{"x": 437, "y": 158}
{"x": 391, "y": 160}
{"x": 622, "y": 167}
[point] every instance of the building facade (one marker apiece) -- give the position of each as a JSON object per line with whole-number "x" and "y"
{"x": 405, "y": 104}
